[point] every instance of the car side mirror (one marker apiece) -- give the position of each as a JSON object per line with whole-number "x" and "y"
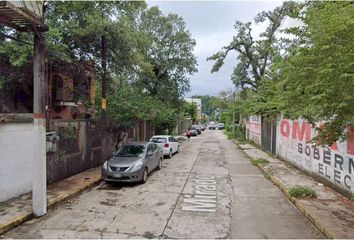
{"x": 149, "y": 154}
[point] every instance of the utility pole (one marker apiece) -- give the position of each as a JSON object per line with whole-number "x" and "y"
{"x": 39, "y": 185}
{"x": 104, "y": 73}
{"x": 104, "y": 92}
{"x": 11, "y": 15}
{"x": 233, "y": 112}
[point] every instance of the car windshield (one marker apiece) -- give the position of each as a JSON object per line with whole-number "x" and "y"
{"x": 159, "y": 140}
{"x": 193, "y": 128}
{"x": 131, "y": 151}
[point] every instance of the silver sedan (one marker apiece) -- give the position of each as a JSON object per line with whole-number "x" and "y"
{"x": 133, "y": 162}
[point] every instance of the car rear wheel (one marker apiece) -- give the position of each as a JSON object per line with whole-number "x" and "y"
{"x": 160, "y": 164}
{"x": 145, "y": 176}
{"x": 170, "y": 154}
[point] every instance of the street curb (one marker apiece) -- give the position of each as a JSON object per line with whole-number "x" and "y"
{"x": 26, "y": 217}
{"x": 298, "y": 204}
{"x": 295, "y": 201}
{"x": 14, "y": 223}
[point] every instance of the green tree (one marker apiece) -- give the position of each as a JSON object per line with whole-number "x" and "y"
{"x": 208, "y": 107}
{"x": 170, "y": 53}
{"x": 254, "y": 56}
{"x": 150, "y": 57}
{"x": 316, "y": 78}
{"x": 190, "y": 110}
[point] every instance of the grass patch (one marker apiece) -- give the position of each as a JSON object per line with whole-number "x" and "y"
{"x": 302, "y": 192}
{"x": 266, "y": 175}
{"x": 230, "y": 135}
{"x": 259, "y": 161}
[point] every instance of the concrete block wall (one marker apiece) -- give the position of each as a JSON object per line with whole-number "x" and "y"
{"x": 16, "y": 159}
{"x": 80, "y": 147}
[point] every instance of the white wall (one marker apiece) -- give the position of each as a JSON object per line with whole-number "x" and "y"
{"x": 16, "y": 159}
{"x": 253, "y": 129}
{"x": 335, "y": 164}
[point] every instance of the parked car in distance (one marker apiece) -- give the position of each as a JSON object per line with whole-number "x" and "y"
{"x": 199, "y": 129}
{"x": 212, "y": 125}
{"x": 167, "y": 143}
{"x": 221, "y": 126}
{"x": 133, "y": 162}
{"x": 194, "y": 131}
{"x": 202, "y": 127}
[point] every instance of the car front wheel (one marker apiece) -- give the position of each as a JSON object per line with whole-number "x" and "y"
{"x": 160, "y": 164}
{"x": 145, "y": 176}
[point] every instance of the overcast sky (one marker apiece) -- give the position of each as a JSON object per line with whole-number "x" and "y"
{"x": 211, "y": 25}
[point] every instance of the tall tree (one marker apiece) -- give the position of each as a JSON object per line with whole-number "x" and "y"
{"x": 170, "y": 54}
{"x": 316, "y": 78}
{"x": 254, "y": 54}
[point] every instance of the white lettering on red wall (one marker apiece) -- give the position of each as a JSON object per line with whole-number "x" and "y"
{"x": 335, "y": 163}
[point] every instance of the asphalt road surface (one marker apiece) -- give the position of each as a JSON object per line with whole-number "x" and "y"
{"x": 208, "y": 190}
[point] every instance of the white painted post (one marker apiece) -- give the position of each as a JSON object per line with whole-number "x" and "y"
{"x": 39, "y": 187}
{"x": 39, "y": 184}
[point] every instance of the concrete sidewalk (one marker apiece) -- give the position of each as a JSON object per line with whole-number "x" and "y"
{"x": 19, "y": 210}
{"x": 330, "y": 211}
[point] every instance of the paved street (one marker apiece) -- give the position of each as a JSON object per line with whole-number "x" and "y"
{"x": 208, "y": 190}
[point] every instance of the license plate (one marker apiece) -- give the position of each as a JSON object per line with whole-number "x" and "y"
{"x": 117, "y": 175}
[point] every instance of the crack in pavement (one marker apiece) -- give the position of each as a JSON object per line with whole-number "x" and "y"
{"x": 180, "y": 194}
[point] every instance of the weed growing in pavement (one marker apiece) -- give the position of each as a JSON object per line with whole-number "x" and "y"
{"x": 266, "y": 175}
{"x": 302, "y": 192}
{"x": 259, "y": 161}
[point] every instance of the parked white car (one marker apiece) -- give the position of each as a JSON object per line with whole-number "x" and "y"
{"x": 167, "y": 143}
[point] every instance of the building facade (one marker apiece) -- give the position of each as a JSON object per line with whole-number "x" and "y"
{"x": 198, "y": 102}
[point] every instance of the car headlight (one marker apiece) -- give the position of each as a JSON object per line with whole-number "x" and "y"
{"x": 137, "y": 166}
{"x": 105, "y": 165}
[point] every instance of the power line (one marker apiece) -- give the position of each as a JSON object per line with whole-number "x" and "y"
{"x": 15, "y": 39}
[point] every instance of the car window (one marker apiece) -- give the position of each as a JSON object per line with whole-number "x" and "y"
{"x": 131, "y": 151}
{"x": 153, "y": 147}
{"x": 150, "y": 148}
{"x": 158, "y": 140}
{"x": 170, "y": 139}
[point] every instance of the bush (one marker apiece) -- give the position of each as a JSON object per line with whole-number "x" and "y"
{"x": 240, "y": 132}
{"x": 302, "y": 192}
{"x": 229, "y": 134}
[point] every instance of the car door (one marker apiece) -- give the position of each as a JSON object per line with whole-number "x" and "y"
{"x": 150, "y": 157}
{"x": 156, "y": 159}
{"x": 170, "y": 140}
{"x": 175, "y": 144}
